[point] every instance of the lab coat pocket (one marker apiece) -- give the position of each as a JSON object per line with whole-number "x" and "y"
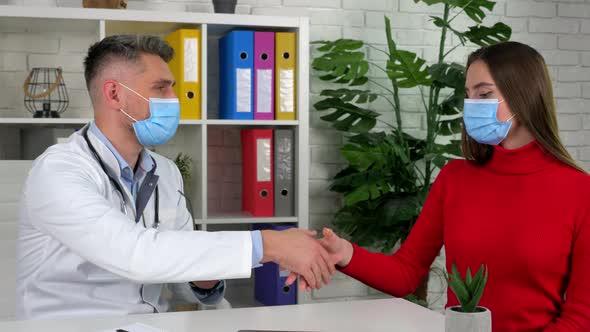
{"x": 168, "y": 219}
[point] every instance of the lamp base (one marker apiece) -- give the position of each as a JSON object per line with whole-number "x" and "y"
{"x": 46, "y": 114}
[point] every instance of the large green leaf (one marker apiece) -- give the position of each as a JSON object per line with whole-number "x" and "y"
{"x": 453, "y": 104}
{"x": 342, "y": 62}
{"x": 361, "y": 186}
{"x": 338, "y": 45}
{"x": 384, "y": 226}
{"x": 408, "y": 70}
{"x": 473, "y": 8}
{"x": 449, "y": 76}
{"x": 370, "y": 190}
{"x": 346, "y": 116}
{"x": 485, "y": 36}
{"x": 417, "y": 147}
{"x": 351, "y": 95}
{"x": 362, "y": 157}
{"x": 378, "y": 166}
{"x": 400, "y": 208}
{"x": 441, "y": 23}
{"x": 453, "y": 148}
{"x": 443, "y": 153}
{"x": 366, "y": 229}
{"x": 450, "y": 127}
{"x": 479, "y": 34}
{"x": 405, "y": 68}
{"x": 372, "y": 150}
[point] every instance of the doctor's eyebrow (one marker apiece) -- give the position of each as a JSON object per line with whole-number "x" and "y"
{"x": 164, "y": 82}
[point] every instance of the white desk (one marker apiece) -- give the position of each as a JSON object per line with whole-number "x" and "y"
{"x": 359, "y": 316}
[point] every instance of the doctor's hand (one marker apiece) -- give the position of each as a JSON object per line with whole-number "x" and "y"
{"x": 205, "y": 284}
{"x": 298, "y": 251}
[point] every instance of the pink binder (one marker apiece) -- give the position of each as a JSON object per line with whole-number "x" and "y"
{"x": 264, "y": 64}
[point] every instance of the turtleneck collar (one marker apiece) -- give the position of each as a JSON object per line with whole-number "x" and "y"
{"x": 526, "y": 159}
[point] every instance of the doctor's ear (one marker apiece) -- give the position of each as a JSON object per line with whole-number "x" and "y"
{"x": 111, "y": 92}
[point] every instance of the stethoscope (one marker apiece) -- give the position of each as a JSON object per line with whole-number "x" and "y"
{"x": 156, "y": 223}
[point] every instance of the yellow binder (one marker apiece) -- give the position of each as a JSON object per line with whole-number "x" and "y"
{"x": 285, "y": 76}
{"x": 186, "y": 68}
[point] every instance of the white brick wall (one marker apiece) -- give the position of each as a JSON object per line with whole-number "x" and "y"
{"x": 560, "y": 29}
{"x": 12, "y": 176}
{"x": 26, "y": 47}
{"x": 531, "y": 8}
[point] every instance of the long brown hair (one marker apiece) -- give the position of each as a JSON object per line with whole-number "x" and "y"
{"x": 521, "y": 74}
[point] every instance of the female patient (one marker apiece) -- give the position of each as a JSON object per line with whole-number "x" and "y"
{"x": 518, "y": 204}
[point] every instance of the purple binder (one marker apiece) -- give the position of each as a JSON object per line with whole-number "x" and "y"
{"x": 269, "y": 284}
{"x": 264, "y": 84}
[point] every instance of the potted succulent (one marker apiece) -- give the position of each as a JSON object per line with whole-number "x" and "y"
{"x": 468, "y": 316}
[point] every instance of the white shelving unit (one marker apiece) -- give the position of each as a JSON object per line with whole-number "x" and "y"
{"x": 68, "y": 121}
{"x": 194, "y": 141}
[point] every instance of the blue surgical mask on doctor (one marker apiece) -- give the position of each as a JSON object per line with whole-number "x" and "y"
{"x": 481, "y": 121}
{"x": 162, "y": 123}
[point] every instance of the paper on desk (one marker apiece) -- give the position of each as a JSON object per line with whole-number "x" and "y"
{"x": 136, "y": 327}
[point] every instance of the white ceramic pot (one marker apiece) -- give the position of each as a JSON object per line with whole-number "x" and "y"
{"x": 457, "y": 321}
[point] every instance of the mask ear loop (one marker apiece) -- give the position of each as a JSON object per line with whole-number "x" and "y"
{"x": 128, "y": 88}
{"x": 512, "y": 117}
{"x": 129, "y": 116}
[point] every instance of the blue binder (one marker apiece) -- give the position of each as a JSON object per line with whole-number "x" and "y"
{"x": 236, "y": 75}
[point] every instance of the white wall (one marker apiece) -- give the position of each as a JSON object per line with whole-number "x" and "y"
{"x": 12, "y": 175}
{"x": 560, "y": 30}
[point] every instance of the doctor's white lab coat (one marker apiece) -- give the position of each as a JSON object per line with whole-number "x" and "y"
{"x": 79, "y": 253}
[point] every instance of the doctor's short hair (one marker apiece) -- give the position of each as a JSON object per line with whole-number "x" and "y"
{"x": 123, "y": 47}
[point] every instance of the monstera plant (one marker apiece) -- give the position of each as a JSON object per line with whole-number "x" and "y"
{"x": 389, "y": 172}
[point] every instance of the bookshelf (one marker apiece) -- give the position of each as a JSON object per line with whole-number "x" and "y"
{"x": 74, "y": 29}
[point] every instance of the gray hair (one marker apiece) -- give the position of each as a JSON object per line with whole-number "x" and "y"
{"x": 123, "y": 47}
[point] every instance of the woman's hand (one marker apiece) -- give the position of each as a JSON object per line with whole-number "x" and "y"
{"x": 336, "y": 246}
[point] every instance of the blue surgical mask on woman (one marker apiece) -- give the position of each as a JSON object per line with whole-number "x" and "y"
{"x": 162, "y": 123}
{"x": 481, "y": 121}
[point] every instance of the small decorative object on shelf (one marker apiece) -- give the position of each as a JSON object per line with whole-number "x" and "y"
{"x": 225, "y": 6}
{"x": 45, "y": 91}
{"x": 109, "y": 4}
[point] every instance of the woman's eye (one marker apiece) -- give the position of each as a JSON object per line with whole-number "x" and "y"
{"x": 485, "y": 95}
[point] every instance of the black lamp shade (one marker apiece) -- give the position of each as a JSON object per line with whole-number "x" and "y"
{"x": 45, "y": 91}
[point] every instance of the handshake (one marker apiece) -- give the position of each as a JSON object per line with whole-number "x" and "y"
{"x": 313, "y": 260}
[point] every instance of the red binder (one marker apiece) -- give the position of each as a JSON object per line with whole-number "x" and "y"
{"x": 257, "y": 172}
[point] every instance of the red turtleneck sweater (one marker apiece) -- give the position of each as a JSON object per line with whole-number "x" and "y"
{"x": 526, "y": 216}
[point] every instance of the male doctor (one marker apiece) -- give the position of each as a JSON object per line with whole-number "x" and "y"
{"x": 103, "y": 220}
